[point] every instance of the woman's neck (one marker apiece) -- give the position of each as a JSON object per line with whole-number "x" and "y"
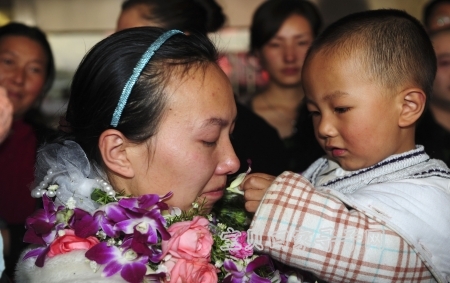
{"x": 278, "y": 106}
{"x": 286, "y": 96}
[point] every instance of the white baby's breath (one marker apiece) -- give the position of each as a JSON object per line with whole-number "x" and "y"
{"x": 52, "y": 187}
{"x": 71, "y": 203}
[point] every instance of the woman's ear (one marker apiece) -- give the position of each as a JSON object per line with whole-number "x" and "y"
{"x": 112, "y": 145}
{"x": 413, "y": 105}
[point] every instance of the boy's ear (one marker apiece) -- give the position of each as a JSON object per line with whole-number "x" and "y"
{"x": 112, "y": 145}
{"x": 413, "y": 105}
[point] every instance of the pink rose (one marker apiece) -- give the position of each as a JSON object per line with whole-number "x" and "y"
{"x": 69, "y": 242}
{"x": 189, "y": 239}
{"x": 197, "y": 270}
{"x": 240, "y": 248}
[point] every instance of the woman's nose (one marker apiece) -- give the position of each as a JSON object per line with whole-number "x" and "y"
{"x": 18, "y": 75}
{"x": 230, "y": 162}
{"x": 289, "y": 53}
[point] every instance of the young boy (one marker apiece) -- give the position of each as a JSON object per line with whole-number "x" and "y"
{"x": 376, "y": 208}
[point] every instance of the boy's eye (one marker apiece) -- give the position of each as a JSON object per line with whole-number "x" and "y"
{"x": 341, "y": 110}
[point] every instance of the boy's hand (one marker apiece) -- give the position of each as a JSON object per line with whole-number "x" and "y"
{"x": 255, "y": 186}
{"x": 6, "y": 114}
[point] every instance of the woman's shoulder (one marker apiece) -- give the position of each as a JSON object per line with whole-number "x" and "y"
{"x": 70, "y": 267}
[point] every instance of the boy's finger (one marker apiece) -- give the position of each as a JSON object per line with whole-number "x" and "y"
{"x": 257, "y": 182}
{"x": 254, "y": 195}
{"x": 251, "y": 206}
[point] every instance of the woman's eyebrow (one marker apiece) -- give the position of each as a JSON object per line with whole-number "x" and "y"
{"x": 215, "y": 122}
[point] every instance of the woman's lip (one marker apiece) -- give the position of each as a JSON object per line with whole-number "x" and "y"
{"x": 12, "y": 94}
{"x": 290, "y": 71}
{"x": 217, "y": 192}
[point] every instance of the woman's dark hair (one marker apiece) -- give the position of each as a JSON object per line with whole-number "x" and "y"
{"x": 33, "y": 33}
{"x": 104, "y": 71}
{"x": 269, "y": 17}
{"x": 201, "y": 16}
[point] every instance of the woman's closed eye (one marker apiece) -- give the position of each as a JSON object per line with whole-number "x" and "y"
{"x": 209, "y": 143}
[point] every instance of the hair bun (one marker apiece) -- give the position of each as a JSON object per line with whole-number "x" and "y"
{"x": 215, "y": 18}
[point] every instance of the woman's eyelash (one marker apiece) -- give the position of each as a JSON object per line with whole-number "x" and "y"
{"x": 209, "y": 144}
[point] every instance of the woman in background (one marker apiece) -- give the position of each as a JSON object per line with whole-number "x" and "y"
{"x": 280, "y": 35}
{"x": 253, "y": 139}
{"x": 26, "y": 72}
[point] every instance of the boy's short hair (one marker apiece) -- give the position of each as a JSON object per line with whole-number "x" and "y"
{"x": 394, "y": 46}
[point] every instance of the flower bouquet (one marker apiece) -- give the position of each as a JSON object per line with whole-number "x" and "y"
{"x": 145, "y": 240}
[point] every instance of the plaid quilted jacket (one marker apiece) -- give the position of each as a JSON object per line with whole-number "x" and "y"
{"x": 315, "y": 231}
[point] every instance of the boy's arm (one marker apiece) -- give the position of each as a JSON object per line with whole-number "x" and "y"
{"x": 314, "y": 231}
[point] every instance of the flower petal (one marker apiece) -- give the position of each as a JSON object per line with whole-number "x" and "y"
{"x": 102, "y": 253}
{"x": 112, "y": 268}
{"x": 83, "y": 223}
{"x": 133, "y": 272}
{"x": 257, "y": 262}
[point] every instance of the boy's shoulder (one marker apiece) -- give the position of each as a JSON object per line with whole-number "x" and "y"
{"x": 414, "y": 166}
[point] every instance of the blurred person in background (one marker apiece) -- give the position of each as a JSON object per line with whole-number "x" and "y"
{"x": 26, "y": 72}
{"x": 436, "y": 15}
{"x": 280, "y": 35}
{"x": 253, "y": 138}
{"x": 6, "y": 112}
{"x": 433, "y": 131}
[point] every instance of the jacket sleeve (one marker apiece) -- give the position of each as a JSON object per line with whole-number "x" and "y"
{"x": 315, "y": 231}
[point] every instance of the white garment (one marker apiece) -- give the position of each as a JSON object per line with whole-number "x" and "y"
{"x": 72, "y": 267}
{"x": 408, "y": 192}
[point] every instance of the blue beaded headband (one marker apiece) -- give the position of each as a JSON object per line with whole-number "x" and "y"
{"x": 137, "y": 72}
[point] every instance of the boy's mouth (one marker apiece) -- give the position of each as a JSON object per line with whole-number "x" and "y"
{"x": 335, "y": 151}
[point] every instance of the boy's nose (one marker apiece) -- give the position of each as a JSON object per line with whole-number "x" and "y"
{"x": 325, "y": 128}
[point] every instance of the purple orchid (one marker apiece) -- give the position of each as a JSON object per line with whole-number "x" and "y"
{"x": 83, "y": 223}
{"x": 108, "y": 216}
{"x": 149, "y": 224}
{"x": 141, "y": 213}
{"x": 42, "y": 226}
{"x": 145, "y": 202}
{"x": 131, "y": 265}
{"x": 140, "y": 245}
{"x": 238, "y": 273}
